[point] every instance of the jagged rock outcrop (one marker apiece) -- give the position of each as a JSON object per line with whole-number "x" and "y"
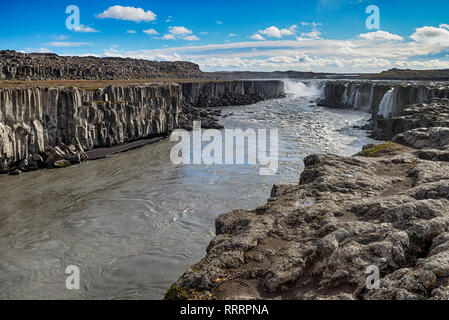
{"x": 48, "y": 66}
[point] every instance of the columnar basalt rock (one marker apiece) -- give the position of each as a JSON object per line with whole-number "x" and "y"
{"x": 199, "y": 97}
{"x": 372, "y": 96}
{"x": 34, "y": 120}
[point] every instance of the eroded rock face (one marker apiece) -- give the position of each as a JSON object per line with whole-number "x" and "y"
{"x": 45, "y": 66}
{"x": 386, "y": 208}
{"x": 35, "y": 120}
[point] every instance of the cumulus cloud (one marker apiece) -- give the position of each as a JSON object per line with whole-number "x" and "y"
{"x": 180, "y": 32}
{"x": 128, "y": 14}
{"x": 275, "y": 32}
{"x": 168, "y": 37}
{"x": 431, "y": 35}
{"x": 151, "y": 32}
{"x": 257, "y": 37}
{"x": 380, "y": 36}
{"x": 86, "y": 29}
{"x": 191, "y": 38}
{"x": 314, "y": 35}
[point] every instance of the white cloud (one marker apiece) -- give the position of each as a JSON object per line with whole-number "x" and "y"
{"x": 151, "y": 32}
{"x": 219, "y": 22}
{"x": 232, "y": 35}
{"x": 131, "y": 31}
{"x": 380, "y": 36}
{"x": 432, "y": 35}
{"x": 86, "y": 29}
{"x": 168, "y": 37}
{"x": 257, "y": 37}
{"x": 445, "y": 26}
{"x": 128, "y": 14}
{"x": 275, "y": 32}
{"x": 191, "y": 38}
{"x": 312, "y": 53}
{"x": 66, "y": 44}
{"x": 314, "y": 35}
{"x": 180, "y": 33}
{"x": 179, "y": 30}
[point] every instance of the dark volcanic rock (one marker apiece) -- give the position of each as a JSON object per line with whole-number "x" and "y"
{"x": 44, "y": 66}
{"x": 424, "y": 115}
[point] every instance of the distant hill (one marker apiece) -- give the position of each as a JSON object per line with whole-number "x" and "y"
{"x": 408, "y": 74}
{"x": 49, "y": 66}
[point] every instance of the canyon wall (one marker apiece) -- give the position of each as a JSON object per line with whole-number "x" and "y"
{"x": 38, "y": 121}
{"x": 380, "y": 98}
{"x": 228, "y": 93}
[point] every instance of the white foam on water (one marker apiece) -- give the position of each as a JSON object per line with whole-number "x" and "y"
{"x": 312, "y": 90}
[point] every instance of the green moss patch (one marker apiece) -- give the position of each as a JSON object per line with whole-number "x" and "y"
{"x": 382, "y": 149}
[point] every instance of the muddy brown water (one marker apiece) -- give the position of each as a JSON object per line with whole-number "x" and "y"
{"x": 134, "y": 222}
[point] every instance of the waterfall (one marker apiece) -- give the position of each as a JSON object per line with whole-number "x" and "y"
{"x": 387, "y": 104}
{"x": 313, "y": 90}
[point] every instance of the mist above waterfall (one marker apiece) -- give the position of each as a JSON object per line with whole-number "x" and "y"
{"x": 311, "y": 90}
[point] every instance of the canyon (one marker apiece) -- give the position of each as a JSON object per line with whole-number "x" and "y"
{"x": 384, "y": 207}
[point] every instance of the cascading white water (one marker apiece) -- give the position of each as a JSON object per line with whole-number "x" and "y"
{"x": 387, "y": 104}
{"x": 312, "y": 90}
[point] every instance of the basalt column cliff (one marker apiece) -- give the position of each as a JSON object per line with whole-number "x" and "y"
{"x": 41, "y": 126}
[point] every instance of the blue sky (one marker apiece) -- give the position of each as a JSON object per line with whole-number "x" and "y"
{"x": 314, "y": 35}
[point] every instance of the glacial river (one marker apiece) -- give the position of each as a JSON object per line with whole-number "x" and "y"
{"x": 134, "y": 222}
